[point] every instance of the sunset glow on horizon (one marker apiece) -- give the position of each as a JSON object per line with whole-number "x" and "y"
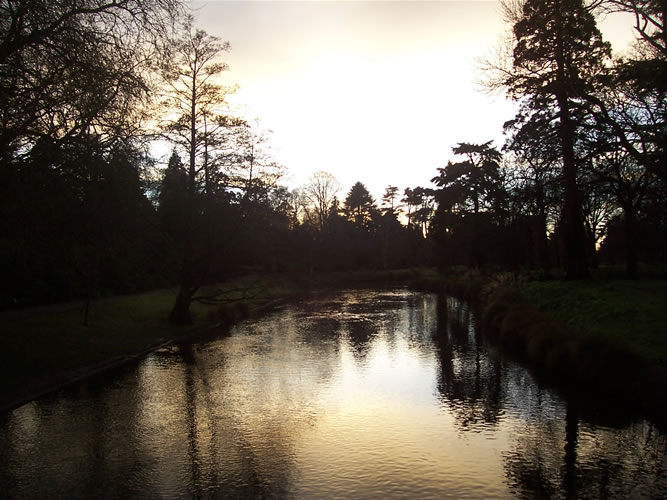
{"x": 376, "y": 92}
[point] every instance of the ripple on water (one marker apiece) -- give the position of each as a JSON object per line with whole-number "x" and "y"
{"x": 360, "y": 394}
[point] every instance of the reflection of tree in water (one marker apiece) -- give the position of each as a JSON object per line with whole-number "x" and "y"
{"x": 360, "y": 316}
{"x": 556, "y": 454}
{"x": 566, "y": 457}
{"x": 471, "y": 381}
{"x": 236, "y": 413}
{"x": 243, "y": 412}
{"x": 359, "y": 333}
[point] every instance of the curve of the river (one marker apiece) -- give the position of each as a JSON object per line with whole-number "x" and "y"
{"x": 357, "y": 394}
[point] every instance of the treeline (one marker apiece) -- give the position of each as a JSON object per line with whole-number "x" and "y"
{"x": 76, "y": 91}
{"x": 86, "y": 87}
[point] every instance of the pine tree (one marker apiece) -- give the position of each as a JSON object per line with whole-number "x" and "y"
{"x": 558, "y": 55}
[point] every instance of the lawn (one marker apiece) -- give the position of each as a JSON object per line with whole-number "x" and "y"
{"x": 631, "y": 313}
{"x": 37, "y": 346}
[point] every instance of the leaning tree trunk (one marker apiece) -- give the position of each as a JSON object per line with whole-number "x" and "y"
{"x": 180, "y": 313}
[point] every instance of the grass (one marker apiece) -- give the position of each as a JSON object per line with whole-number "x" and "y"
{"x": 600, "y": 338}
{"x": 43, "y": 347}
{"x": 630, "y": 314}
{"x": 35, "y": 349}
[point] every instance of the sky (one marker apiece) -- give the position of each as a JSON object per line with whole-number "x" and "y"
{"x": 377, "y": 92}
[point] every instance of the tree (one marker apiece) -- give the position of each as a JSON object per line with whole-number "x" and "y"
{"x": 359, "y": 205}
{"x": 250, "y": 163}
{"x": 420, "y": 203}
{"x": 619, "y": 176}
{"x": 194, "y": 120}
{"x": 318, "y": 196}
{"x": 466, "y": 190}
{"x": 473, "y": 183}
{"x": 173, "y": 199}
{"x": 649, "y": 18}
{"x": 534, "y": 141}
{"x": 74, "y": 68}
{"x": 557, "y": 56}
{"x": 388, "y": 200}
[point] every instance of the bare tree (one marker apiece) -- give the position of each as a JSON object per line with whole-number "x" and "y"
{"x": 319, "y": 195}
{"x": 76, "y": 68}
{"x": 195, "y": 120}
{"x": 649, "y": 22}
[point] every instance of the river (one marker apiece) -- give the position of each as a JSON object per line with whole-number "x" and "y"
{"x": 355, "y": 394}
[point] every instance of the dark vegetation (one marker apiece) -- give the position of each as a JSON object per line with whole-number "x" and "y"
{"x": 599, "y": 341}
{"x": 87, "y": 212}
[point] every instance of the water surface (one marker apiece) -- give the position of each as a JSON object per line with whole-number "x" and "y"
{"x": 359, "y": 394}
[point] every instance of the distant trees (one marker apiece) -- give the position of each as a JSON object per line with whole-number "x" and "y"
{"x": 465, "y": 191}
{"x": 359, "y": 206}
{"x": 389, "y": 199}
{"x": 582, "y": 170}
{"x": 419, "y": 207}
{"x": 535, "y": 188}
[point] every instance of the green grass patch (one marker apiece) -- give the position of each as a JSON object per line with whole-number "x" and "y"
{"x": 630, "y": 314}
{"x": 36, "y": 346}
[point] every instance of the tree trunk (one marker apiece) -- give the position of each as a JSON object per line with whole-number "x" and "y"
{"x": 575, "y": 246}
{"x": 542, "y": 241}
{"x": 180, "y": 313}
{"x": 631, "y": 242}
{"x": 571, "y": 442}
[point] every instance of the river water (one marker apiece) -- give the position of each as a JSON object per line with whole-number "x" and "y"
{"x": 357, "y": 394}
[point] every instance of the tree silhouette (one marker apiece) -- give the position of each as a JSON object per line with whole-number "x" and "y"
{"x": 359, "y": 205}
{"x": 318, "y": 197}
{"x": 557, "y": 55}
{"x": 73, "y": 68}
{"x": 195, "y": 120}
{"x": 389, "y": 200}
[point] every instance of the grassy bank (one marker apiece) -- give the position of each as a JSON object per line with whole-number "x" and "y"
{"x": 630, "y": 314}
{"x": 44, "y": 348}
{"x": 600, "y": 337}
{"x": 48, "y": 347}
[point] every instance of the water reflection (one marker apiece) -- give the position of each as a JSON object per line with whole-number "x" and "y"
{"x": 358, "y": 394}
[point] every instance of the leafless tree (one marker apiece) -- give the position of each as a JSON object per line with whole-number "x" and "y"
{"x": 74, "y": 68}
{"x": 319, "y": 195}
{"x": 194, "y": 119}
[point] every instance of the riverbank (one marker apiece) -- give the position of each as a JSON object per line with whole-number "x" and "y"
{"x": 45, "y": 348}
{"x": 601, "y": 338}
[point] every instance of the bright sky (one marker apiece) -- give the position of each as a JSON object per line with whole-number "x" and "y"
{"x": 375, "y": 91}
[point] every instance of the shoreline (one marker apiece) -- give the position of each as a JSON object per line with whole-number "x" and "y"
{"x": 579, "y": 363}
{"x": 41, "y": 386}
{"x": 144, "y": 314}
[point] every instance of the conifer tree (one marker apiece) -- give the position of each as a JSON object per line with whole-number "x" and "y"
{"x": 558, "y": 56}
